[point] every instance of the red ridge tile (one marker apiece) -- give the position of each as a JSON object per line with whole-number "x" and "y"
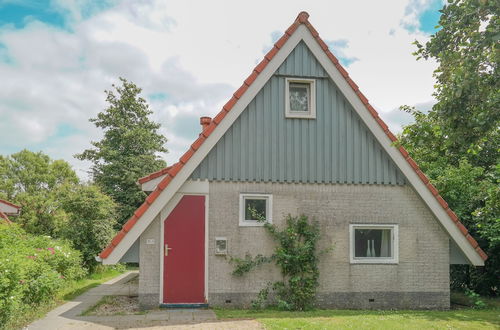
{"x": 403, "y": 151}
{"x": 230, "y": 104}
{"x": 292, "y": 28}
{"x": 472, "y": 241}
{"x": 153, "y": 196}
{"x": 422, "y": 176}
{"x": 270, "y": 54}
{"x": 261, "y": 65}
{"x": 106, "y": 252}
{"x": 372, "y": 110}
{"x": 251, "y": 78}
{"x": 412, "y": 163}
{"x": 462, "y": 228}
{"x": 303, "y": 17}
{"x": 432, "y": 189}
{"x": 141, "y": 210}
{"x": 197, "y": 144}
{"x": 391, "y": 136}
{"x": 382, "y": 124}
{"x": 208, "y": 130}
{"x": 332, "y": 57}
{"x": 187, "y": 155}
{"x": 442, "y": 202}
{"x": 118, "y": 237}
{"x": 175, "y": 169}
{"x": 342, "y": 71}
{"x": 217, "y": 119}
{"x": 164, "y": 183}
{"x": 281, "y": 41}
{"x": 322, "y": 44}
{"x": 362, "y": 97}
{"x": 483, "y": 255}
{"x": 352, "y": 84}
{"x": 452, "y": 215}
{"x": 130, "y": 223}
{"x": 313, "y": 31}
{"x": 243, "y": 88}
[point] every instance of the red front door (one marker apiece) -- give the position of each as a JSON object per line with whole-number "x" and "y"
{"x": 184, "y": 252}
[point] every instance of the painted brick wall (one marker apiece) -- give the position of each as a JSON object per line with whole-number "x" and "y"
{"x": 149, "y": 263}
{"x": 420, "y": 280}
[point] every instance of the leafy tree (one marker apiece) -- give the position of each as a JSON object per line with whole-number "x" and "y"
{"x": 32, "y": 180}
{"x": 468, "y": 85}
{"x": 457, "y": 142}
{"x": 128, "y": 150}
{"x": 91, "y": 218}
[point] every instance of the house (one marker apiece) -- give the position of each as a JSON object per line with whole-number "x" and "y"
{"x": 297, "y": 137}
{"x": 6, "y": 209}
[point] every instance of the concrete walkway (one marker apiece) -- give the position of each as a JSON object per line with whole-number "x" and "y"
{"x": 68, "y": 316}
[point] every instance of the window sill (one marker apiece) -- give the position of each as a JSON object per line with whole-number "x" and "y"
{"x": 252, "y": 224}
{"x": 374, "y": 262}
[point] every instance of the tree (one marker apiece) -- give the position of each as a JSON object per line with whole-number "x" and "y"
{"x": 128, "y": 150}
{"x": 468, "y": 85}
{"x": 457, "y": 142}
{"x": 91, "y": 218}
{"x": 32, "y": 180}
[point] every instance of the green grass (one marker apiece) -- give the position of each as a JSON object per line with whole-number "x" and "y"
{"x": 363, "y": 319}
{"x": 69, "y": 292}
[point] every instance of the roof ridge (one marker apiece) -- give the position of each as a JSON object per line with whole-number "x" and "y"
{"x": 302, "y": 18}
{"x": 10, "y": 204}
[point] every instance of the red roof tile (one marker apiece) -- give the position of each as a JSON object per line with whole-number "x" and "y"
{"x": 9, "y": 203}
{"x": 302, "y": 18}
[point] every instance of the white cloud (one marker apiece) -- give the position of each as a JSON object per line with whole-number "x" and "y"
{"x": 194, "y": 54}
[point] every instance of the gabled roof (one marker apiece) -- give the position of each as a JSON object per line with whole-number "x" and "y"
{"x": 10, "y": 204}
{"x": 155, "y": 175}
{"x": 431, "y": 193}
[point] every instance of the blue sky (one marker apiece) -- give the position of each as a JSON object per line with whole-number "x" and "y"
{"x": 58, "y": 56}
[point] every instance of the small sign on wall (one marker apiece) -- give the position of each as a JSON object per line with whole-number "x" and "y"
{"x": 220, "y": 246}
{"x": 150, "y": 241}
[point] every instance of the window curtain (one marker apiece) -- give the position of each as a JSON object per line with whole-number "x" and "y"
{"x": 385, "y": 243}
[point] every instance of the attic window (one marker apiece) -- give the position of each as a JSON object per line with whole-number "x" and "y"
{"x": 300, "y": 97}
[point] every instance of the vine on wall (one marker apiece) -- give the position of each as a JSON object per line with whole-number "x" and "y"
{"x": 297, "y": 257}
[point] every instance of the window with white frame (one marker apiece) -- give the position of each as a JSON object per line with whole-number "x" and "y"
{"x": 373, "y": 243}
{"x": 255, "y": 209}
{"x": 300, "y": 98}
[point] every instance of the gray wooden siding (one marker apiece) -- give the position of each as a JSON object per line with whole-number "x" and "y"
{"x": 263, "y": 145}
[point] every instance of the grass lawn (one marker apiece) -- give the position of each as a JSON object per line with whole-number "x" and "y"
{"x": 70, "y": 291}
{"x": 363, "y": 319}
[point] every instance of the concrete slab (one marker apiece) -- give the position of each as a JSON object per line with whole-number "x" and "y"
{"x": 68, "y": 316}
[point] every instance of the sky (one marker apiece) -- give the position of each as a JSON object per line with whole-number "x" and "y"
{"x": 57, "y": 57}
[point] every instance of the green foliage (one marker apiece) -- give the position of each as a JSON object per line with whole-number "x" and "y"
{"x": 128, "y": 150}
{"x": 32, "y": 180}
{"x": 457, "y": 143}
{"x": 297, "y": 257}
{"x": 476, "y": 299}
{"x": 33, "y": 269}
{"x": 91, "y": 218}
{"x": 468, "y": 85}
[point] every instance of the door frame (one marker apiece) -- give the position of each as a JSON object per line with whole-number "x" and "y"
{"x": 192, "y": 188}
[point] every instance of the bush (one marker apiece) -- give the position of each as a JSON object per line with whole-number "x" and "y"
{"x": 33, "y": 269}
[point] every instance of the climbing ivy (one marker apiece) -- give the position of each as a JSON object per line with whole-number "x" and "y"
{"x": 297, "y": 257}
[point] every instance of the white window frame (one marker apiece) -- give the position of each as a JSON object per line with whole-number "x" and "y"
{"x": 311, "y": 114}
{"x": 376, "y": 260}
{"x": 269, "y": 209}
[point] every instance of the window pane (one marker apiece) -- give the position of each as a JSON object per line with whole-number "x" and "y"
{"x": 258, "y": 205}
{"x": 299, "y": 97}
{"x": 372, "y": 243}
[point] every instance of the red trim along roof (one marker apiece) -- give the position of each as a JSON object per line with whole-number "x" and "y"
{"x": 155, "y": 175}
{"x": 10, "y": 204}
{"x": 302, "y": 18}
{"x": 5, "y": 217}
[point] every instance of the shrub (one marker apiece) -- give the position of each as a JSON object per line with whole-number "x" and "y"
{"x": 33, "y": 269}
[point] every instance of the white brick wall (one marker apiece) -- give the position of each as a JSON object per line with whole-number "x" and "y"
{"x": 423, "y": 245}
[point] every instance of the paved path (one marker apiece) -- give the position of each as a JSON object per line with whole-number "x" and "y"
{"x": 67, "y": 316}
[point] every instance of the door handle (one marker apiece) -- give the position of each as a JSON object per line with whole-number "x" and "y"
{"x": 166, "y": 249}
